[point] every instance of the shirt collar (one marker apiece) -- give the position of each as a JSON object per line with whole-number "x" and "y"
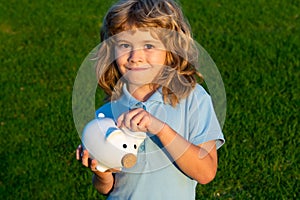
{"x": 129, "y": 100}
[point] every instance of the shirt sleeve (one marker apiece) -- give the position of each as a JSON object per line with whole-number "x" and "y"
{"x": 203, "y": 123}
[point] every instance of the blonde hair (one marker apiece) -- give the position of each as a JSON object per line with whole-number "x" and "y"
{"x": 180, "y": 77}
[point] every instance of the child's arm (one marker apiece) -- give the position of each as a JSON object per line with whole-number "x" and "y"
{"x": 102, "y": 181}
{"x": 198, "y": 162}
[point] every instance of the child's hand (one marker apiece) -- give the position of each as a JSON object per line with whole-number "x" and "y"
{"x": 83, "y": 157}
{"x": 140, "y": 120}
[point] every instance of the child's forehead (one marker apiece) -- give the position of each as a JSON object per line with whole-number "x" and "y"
{"x": 138, "y": 34}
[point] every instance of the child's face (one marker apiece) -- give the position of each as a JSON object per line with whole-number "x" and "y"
{"x": 139, "y": 56}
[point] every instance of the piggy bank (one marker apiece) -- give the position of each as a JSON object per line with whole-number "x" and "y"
{"x": 111, "y": 146}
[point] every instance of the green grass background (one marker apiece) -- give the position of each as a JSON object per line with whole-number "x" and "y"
{"x": 255, "y": 45}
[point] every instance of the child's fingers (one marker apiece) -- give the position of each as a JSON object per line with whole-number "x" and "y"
{"x": 78, "y": 152}
{"x": 93, "y": 166}
{"x": 85, "y": 158}
{"x": 130, "y": 119}
{"x": 143, "y": 123}
{"x": 120, "y": 120}
{"x": 137, "y": 117}
{"x": 126, "y": 118}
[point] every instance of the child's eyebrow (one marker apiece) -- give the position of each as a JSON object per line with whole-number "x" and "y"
{"x": 152, "y": 41}
{"x": 122, "y": 40}
{"x": 158, "y": 42}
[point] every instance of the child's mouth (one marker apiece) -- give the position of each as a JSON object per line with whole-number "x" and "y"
{"x": 137, "y": 68}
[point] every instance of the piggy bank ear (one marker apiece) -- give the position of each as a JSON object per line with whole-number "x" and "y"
{"x": 112, "y": 133}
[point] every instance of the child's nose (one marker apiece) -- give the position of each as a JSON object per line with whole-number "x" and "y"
{"x": 136, "y": 55}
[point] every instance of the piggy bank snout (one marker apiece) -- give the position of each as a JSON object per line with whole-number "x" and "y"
{"x": 128, "y": 160}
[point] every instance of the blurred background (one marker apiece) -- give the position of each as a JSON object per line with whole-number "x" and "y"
{"x": 255, "y": 45}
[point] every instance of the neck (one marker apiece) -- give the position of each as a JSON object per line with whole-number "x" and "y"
{"x": 141, "y": 93}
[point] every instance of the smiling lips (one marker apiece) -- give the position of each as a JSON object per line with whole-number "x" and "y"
{"x": 137, "y": 68}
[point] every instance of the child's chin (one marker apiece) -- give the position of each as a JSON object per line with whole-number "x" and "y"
{"x": 139, "y": 80}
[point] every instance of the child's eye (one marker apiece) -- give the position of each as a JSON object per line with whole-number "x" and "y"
{"x": 125, "y": 46}
{"x": 149, "y": 46}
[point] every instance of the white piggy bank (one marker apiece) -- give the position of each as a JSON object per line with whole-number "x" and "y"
{"x": 110, "y": 146}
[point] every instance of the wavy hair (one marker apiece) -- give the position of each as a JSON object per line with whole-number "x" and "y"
{"x": 166, "y": 22}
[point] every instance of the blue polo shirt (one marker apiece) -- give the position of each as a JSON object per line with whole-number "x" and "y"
{"x": 156, "y": 176}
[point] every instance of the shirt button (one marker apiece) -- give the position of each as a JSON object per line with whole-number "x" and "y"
{"x": 142, "y": 147}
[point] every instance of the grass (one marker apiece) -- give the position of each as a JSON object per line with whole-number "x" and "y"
{"x": 255, "y": 45}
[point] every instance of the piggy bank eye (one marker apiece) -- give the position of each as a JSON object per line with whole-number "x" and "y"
{"x": 124, "y": 146}
{"x": 134, "y": 146}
